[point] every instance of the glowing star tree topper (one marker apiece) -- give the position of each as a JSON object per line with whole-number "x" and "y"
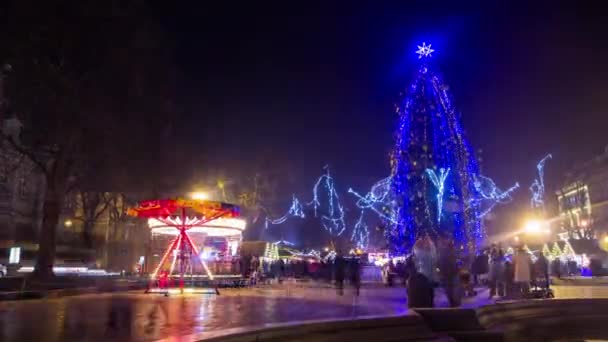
{"x": 424, "y": 51}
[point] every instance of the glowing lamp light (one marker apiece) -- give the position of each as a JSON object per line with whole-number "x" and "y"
{"x": 584, "y": 223}
{"x": 198, "y": 195}
{"x": 68, "y": 223}
{"x": 606, "y": 239}
{"x": 533, "y": 227}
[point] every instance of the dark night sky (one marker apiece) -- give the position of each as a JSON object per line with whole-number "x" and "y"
{"x": 313, "y": 84}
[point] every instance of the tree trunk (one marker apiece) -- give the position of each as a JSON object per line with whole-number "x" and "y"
{"x": 46, "y": 241}
{"x": 87, "y": 233}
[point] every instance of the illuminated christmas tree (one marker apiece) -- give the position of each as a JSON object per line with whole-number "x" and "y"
{"x": 433, "y": 167}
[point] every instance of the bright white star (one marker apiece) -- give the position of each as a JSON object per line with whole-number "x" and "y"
{"x": 424, "y": 50}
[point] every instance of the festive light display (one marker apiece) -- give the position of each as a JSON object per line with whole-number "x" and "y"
{"x": 439, "y": 182}
{"x": 360, "y": 235}
{"x": 490, "y": 195}
{"x": 332, "y": 219}
{"x": 295, "y": 210}
{"x": 172, "y": 215}
{"x": 538, "y": 186}
{"x": 377, "y": 200}
{"x": 429, "y": 136}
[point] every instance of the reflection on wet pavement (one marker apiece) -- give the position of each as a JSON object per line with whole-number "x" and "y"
{"x": 139, "y": 317}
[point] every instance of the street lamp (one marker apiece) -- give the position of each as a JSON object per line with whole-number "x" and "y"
{"x": 535, "y": 227}
{"x": 532, "y": 227}
{"x": 198, "y": 195}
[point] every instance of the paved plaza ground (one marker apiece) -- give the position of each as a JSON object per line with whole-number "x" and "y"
{"x": 140, "y": 317}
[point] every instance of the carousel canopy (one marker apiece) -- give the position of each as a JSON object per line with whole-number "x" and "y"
{"x": 170, "y": 207}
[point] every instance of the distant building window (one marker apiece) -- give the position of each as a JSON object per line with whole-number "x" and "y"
{"x": 14, "y": 255}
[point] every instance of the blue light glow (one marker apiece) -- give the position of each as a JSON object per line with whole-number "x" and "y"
{"x": 438, "y": 182}
{"x": 538, "y": 185}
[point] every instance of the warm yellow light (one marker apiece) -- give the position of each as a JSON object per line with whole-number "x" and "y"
{"x": 606, "y": 239}
{"x": 516, "y": 239}
{"x": 197, "y": 195}
{"x": 68, "y": 223}
{"x": 533, "y": 227}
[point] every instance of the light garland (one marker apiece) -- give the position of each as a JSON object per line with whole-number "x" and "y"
{"x": 490, "y": 194}
{"x": 332, "y": 221}
{"x": 538, "y": 186}
{"x": 439, "y": 182}
{"x": 377, "y": 200}
{"x": 295, "y": 210}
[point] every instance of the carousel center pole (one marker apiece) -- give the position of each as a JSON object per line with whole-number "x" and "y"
{"x": 182, "y": 251}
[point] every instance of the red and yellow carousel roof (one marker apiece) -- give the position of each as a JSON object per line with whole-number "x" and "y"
{"x": 169, "y": 207}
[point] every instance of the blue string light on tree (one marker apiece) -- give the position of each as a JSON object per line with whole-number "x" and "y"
{"x": 325, "y": 197}
{"x": 439, "y": 183}
{"x": 333, "y": 218}
{"x": 429, "y": 136}
{"x": 377, "y": 200}
{"x": 490, "y": 195}
{"x": 538, "y": 186}
{"x": 295, "y": 210}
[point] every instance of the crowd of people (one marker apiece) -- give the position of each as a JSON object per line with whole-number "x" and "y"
{"x": 338, "y": 269}
{"x": 432, "y": 265}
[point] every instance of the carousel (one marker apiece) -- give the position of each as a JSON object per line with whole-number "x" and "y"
{"x": 195, "y": 233}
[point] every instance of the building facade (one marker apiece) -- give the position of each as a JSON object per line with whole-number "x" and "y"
{"x": 583, "y": 200}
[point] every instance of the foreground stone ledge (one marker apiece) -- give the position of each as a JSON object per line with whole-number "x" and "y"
{"x": 531, "y": 320}
{"x": 410, "y": 327}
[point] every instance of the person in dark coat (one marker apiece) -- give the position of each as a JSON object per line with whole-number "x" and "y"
{"x": 355, "y": 274}
{"x": 448, "y": 271}
{"x": 418, "y": 287}
{"x": 339, "y": 273}
{"x": 541, "y": 270}
{"x": 479, "y": 267}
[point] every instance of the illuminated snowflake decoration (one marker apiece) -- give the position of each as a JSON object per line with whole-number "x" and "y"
{"x": 439, "y": 182}
{"x": 538, "y": 185}
{"x": 424, "y": 50}
{"x": 490, "y": 194}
